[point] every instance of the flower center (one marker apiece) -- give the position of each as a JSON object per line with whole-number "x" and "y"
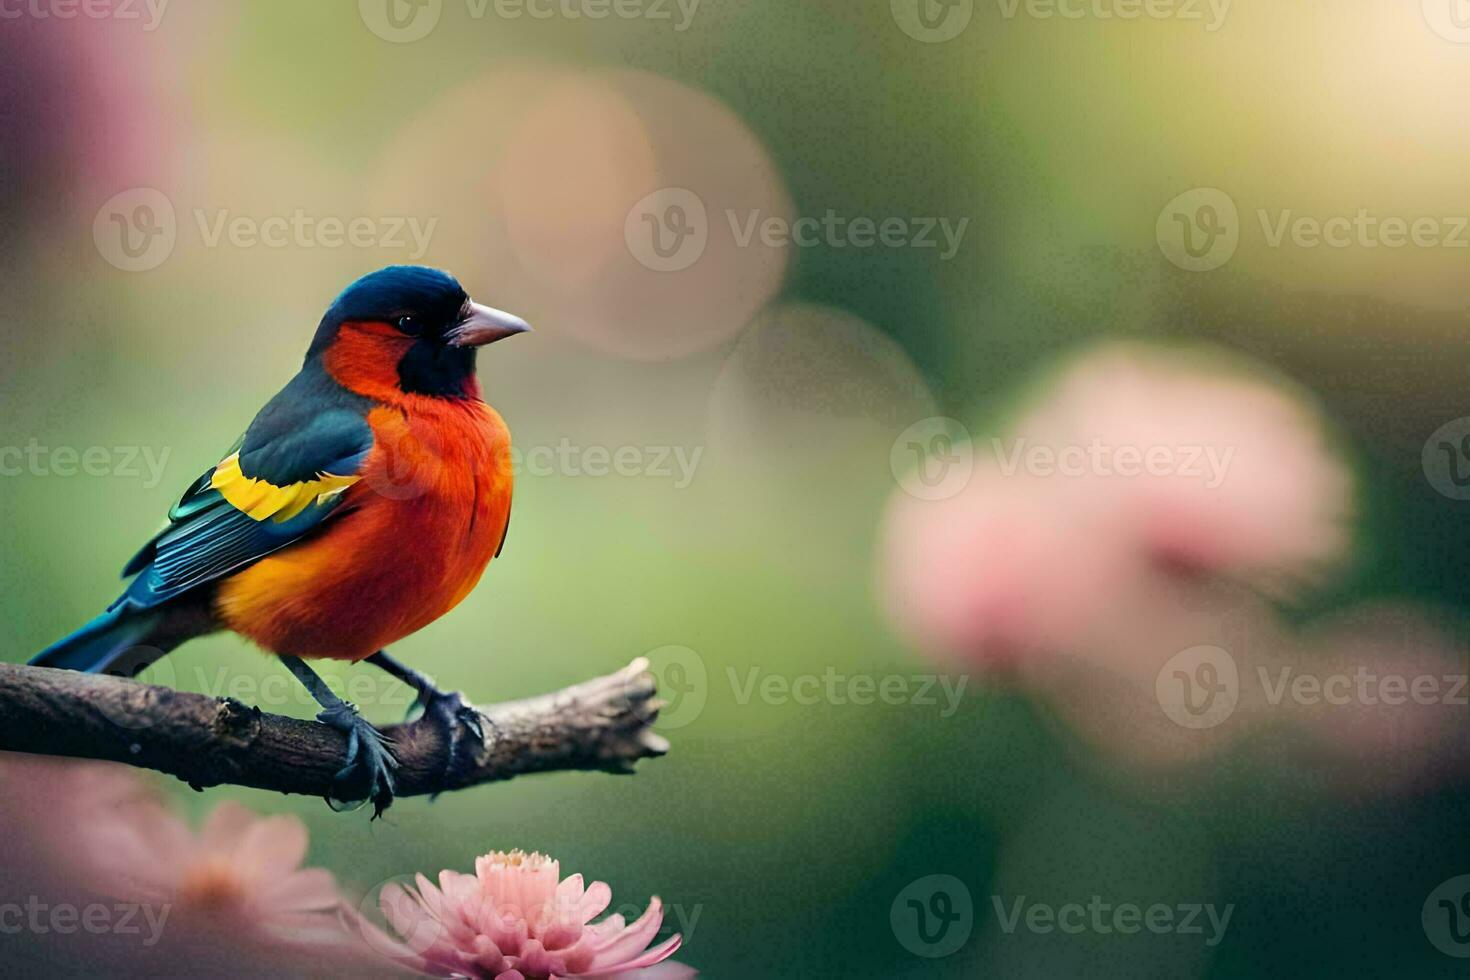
{"x": 212, "y": 885}
{"x": 533, "y": 861}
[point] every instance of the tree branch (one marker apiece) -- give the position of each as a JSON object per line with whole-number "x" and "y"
{"x": 600, "y": 725}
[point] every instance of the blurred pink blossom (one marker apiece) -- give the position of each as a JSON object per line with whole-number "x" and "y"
{"x": 1215, "y": 468}
{"x": 515, "y": 919}
{"x": 240, "y": 870}
{"x": 1133, "y": 465}
{"x": 1379, "y": 691}
{"x": 1008, "y": 568}
{"x": 228, "y": 900}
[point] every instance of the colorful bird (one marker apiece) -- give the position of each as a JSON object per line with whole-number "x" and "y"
{"x": 363, "y": 502}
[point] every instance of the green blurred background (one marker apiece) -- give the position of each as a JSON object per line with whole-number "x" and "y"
{"x": 779, "y": 833}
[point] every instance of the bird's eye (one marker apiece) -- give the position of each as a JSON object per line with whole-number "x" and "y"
{"x": 409, "y": 325}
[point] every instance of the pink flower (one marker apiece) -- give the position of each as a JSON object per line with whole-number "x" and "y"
{"x": 240, "y": 871}
{"x": 1217, "y": 468}
{"x": 1011, "y": 567}
{"x": 515, "y": 919}
{"x": 1382, "y": 710}
{"x": 1131, "y": 466}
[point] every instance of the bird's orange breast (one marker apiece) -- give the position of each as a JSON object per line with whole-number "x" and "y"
{"x": 411, "y": 540}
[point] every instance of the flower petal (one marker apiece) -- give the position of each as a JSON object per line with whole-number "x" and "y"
{"x": 311, "y": 889}
{"x": 623, "y": 946}
{"x": 225, "y": 827}
{"x": 594, "y": 901}
{"x": 667, "y": 970}
{"x": 650, "y": 958}
{"x": 272, "y": 847}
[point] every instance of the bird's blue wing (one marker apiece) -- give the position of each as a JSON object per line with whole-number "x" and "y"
{"x": 285, "y": 478}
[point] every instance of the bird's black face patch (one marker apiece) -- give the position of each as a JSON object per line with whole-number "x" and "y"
{"x": 431, "y": 368}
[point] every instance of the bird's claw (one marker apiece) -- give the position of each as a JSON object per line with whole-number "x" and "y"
{"x": 370, "y": 762}
{"x": 456, "y": 717}
{"x": 420, "y": 703}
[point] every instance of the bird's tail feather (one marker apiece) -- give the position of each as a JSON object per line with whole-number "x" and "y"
{"x": 117, "y": 642}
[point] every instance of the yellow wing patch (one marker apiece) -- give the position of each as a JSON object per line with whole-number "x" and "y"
{"x": 260, "y": 499}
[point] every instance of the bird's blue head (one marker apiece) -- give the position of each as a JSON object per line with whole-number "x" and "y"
{"x": 409, "y": 326}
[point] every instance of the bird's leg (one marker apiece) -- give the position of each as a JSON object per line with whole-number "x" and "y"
{"x": 370, "y": 761}
{"x": 423, "y": 684}
{"x": 449, "y": 710}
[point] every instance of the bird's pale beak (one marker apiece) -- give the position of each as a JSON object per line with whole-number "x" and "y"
{"x": 485, "y": 325}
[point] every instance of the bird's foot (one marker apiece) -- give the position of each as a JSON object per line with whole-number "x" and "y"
{"x": 368, "y": 774}
{"x": 464, "y": 730}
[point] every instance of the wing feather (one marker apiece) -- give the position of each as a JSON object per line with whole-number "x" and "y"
{"x": 277, "y": 485}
